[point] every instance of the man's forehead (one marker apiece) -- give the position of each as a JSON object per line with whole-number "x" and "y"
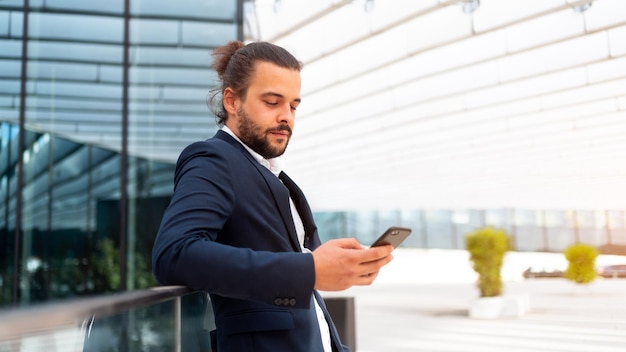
{"x": 269, "y": 78}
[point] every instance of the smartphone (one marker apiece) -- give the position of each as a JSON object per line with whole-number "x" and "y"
{"x": 393, "y": 236}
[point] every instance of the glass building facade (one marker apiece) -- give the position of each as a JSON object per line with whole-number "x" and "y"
{"x": 536, "y": 230}
{"x": 95, "y": 99}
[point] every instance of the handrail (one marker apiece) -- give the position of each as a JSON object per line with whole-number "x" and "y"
{"x": 26, "y": 321}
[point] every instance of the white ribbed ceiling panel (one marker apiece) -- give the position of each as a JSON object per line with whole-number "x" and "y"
{"x": 410, "y": 104}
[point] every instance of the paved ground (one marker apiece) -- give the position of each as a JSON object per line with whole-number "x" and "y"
{"x": 398, "y": 315}
{"x": 434, "y": 317}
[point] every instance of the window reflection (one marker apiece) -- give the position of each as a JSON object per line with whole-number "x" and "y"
{"x": 70, "y": 216}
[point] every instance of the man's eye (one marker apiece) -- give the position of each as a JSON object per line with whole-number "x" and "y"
{"x": 294, "y": 108}
{"x": 271, "y": 103}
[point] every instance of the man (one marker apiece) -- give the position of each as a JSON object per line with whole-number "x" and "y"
{"x": 239, "y": 228}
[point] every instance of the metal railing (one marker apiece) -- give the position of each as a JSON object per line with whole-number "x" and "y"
{"x": 68, "y": 326}
{"x": 165, "y": 318}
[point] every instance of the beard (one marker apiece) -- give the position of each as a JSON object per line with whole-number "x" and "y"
{"x": 257, "y": 139}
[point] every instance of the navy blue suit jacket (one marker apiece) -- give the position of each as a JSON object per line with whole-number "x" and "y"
{"x": 229, "y": 231}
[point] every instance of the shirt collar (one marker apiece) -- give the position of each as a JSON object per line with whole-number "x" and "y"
{"x": 274, "y": 164}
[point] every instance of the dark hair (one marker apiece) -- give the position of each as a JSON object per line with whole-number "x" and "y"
{"x": 234, "y": 64}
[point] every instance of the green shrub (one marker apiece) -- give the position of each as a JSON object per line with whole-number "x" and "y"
{"x": 581, "y": 267}
{"x": 487, "y": 247}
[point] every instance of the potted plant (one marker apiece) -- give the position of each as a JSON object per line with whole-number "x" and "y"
{"x": 487, "y": 247}
{"x": 581, "y": 263}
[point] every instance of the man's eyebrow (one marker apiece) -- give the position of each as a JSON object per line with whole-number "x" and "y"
{"x": 274, "y": 94}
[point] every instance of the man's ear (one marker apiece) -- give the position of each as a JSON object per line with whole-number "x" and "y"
{"x": 229, "y": 99}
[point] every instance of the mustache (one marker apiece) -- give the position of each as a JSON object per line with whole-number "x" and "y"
{"x": 281, "y": 128}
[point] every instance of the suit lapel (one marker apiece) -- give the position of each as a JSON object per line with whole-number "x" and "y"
{"x": 281, "y": 198}
{"x": 303, "y": 209}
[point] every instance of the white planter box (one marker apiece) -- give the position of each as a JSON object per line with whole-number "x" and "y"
{"x": 487, "y": 308}
{"x": 508, "y": 306}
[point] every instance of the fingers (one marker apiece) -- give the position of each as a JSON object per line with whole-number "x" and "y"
{"x": 375, "y": 253}
{"x": 342, "y": 263}
{"x": 370, "y": 269}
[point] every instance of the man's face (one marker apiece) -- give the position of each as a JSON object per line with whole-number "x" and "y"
{"x": 264, "y": 120}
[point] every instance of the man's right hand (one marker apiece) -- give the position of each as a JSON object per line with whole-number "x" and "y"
{"x": 343, "y": 263}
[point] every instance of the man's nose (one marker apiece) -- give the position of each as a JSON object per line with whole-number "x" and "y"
{"x": 286, "y": 114}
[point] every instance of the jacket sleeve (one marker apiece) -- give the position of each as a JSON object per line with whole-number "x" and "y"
{"x": 186, "y": 252}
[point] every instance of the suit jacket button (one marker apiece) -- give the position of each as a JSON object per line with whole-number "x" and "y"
{"x": 292, "y": 302}
{"x": 285, "y": 301}
{"x": 278, "y": 301}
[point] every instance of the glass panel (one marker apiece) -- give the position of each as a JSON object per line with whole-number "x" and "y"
{"x": 16, "y": 22}
{"x": 559, "y": 238}
{"x": 8, "y": 157}
{"x": 170, "y": 79}
{"x": 154, "y": 32}
{"x": 617, "y": 226}
{"x": 529, "y": 238}
{"x": 528, "y": 230}
{"x": 527, "y": 217}
{"x": 362, "y": 226}
{"x": 62, "y": 182}
{"x": 196, "y": 9}
{"x": 68, "y": 95}
{"x": 331, "y": 225}
{"x": 60, "y": 51}
{"x": 414, "y": 219}
{"x": 201, "y": 34}
{"x": 439, "y": 230}
{"x": 149, "y": 196}
{"x": 155, "y": 56}
{"x": 82, "y": 27}
{"x": 71, "y": 203}
{"x": 592, "y": 236}
{"x": 10, "y": 68}
{"x": 112, "y": 6}
{"x": 464, "y": 222}
{"x": 386, "y": 219}
{"x": 66, "y": 251}
{"x": 560, "y": 227}
{"x": 590, "y": 228}
{"x": 177, "y": 324}
{"x": 500, "y": 218}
